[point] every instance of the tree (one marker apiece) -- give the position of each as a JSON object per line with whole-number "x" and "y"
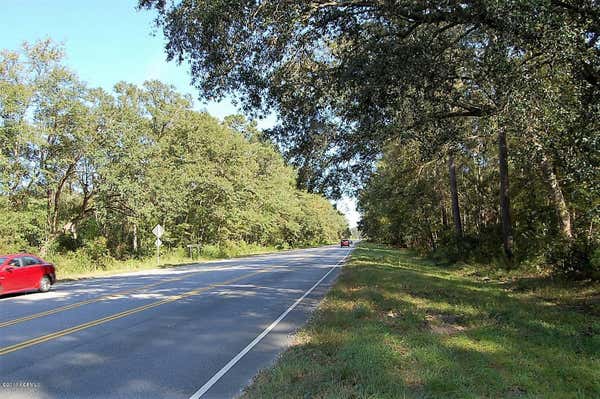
{"x": 349, "y": 77}
{"x": 93, "y": 171}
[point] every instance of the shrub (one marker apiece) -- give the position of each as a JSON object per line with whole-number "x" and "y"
{"x": 97, "y": 252}
{"x": 571, "y": 258}
{"x": 13, "y": 244}
{"x": 66, "y": 242}
{"x": 210, "y": 251}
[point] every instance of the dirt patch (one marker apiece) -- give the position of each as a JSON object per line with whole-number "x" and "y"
{"x": 443, "y": 324}
{"x": 516, "y": 392}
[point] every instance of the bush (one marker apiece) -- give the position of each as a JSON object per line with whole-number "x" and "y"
{"x": 572, "y": 259}
{"x": 97, "y": 253}
{"x": 12, "y": 245}
{"x": 66, "y": 243}
{"x": 210, "y": 251}
{"x": 21, "y": 227}
{"x": 452, "y": 248}
{"x": 231, "y": 249}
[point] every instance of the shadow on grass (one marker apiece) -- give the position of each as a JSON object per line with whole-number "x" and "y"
{"x": 397, "y": 325}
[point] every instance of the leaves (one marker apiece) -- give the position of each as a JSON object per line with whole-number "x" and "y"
{"x": 378, "y": 92}
{"x": 104, "y": 168}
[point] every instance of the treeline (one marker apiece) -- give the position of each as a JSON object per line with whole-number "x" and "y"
{"x": 85, "y": 169}
{"x": 496, "y": 150}
{"x": 447, "y": 203}
{"x": 486, "y": 113}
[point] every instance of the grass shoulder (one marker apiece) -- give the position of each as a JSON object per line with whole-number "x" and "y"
{"x": 396, "y": 325}
{"x": 74, "y": 266}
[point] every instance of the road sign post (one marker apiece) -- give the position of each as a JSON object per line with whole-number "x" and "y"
{"x": 158, "y": 231}
{"x": 197, "y": 247}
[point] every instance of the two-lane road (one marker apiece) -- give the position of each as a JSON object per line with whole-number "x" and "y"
{"x": 196, "y": 331}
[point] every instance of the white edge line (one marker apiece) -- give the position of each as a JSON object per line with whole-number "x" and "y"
{"x": 215, "y": 378}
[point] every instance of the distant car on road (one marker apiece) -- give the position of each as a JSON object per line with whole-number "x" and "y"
{"x": 25, "y": 272}
{"x": 345, "y": 243}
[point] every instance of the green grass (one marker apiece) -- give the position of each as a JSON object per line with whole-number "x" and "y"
{"x": 398, "y": 326}
{"x": 77, "y": 265}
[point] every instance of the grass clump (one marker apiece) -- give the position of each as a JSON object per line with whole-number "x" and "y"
{"x": 399, "y": 326}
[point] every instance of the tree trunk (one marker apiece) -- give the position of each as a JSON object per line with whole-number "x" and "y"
{"x": 47, "y": 239}
{"x": 57, "y": 195}
{"x": 431, "y": 238}
{"x": 507, "y": 234}
{"x": 454, "y": 194}
{"x": 49, "y": 197}
{"x": 564, "y": 215}
{"x": 442, "y": 202}
{"x": 444, "y": 216}
{"x": 135, "y": 239}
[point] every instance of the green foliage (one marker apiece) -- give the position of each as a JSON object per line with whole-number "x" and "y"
{"x": 571, "y": 259}
{"x": 346, "y": 76}
{"x": 354, "y": 81}
{"x": 87, "y": 174}
{"x": 22, "y": 225}
{"x": 407, "y": 203}
{"x": 96, "y": 251}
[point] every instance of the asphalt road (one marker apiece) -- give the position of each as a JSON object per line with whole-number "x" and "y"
{"x": 202, "y": 330}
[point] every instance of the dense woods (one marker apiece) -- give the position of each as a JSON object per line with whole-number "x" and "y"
{"x": 448, "y": 203}
{"x": 92, "y": 171}
{"x": 470, "y": 127}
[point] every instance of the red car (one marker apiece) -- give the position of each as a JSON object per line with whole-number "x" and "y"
{"x": 25, "y": 272}
{"x": 345, "y": 243}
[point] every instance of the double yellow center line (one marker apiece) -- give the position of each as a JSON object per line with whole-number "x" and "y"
{"x": 87, "y": 302}
{"x": 61, "y": 333}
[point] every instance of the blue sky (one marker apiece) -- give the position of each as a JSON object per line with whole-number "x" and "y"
{"x": 105, "y": 41}
{"x": 108, "y": 41}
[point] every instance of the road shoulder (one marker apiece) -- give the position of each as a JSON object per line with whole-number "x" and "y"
{"x": 397, "y": 325}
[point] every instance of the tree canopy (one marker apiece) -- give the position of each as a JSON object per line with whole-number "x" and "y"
{"x": 82, "y": 165}
{"x": 351, "y": 81}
